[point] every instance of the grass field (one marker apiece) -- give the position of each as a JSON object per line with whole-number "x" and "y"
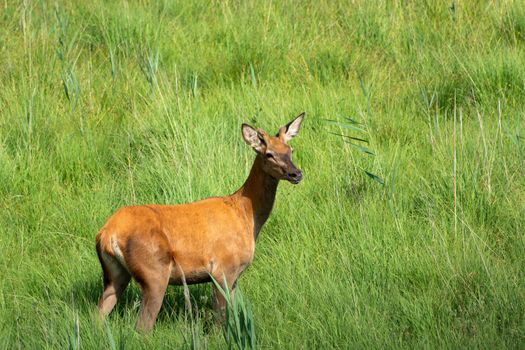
{"x": 104, "y": 104}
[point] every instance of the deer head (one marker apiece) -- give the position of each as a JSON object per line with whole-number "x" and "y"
{"x": 274, "y": 151}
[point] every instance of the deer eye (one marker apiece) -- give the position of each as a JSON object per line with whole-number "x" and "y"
{"x": 269, "y": 155}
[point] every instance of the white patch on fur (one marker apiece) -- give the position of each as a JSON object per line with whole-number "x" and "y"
{"x": 211, "y": 266}
{"x": 118, "y": 252}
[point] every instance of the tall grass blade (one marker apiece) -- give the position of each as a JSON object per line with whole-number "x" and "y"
{"x": 252, "y": 76}
{"x": 349, "y": 137}
{"x": 344, "y": 125}
{"x": 361, "y": 148}
{"x": 109, "y": 334}
{"x": 374, "y": 177}
{"x": 238, "y": 328}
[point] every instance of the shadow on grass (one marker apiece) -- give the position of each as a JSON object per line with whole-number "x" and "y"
{"x": 86, "y": 293}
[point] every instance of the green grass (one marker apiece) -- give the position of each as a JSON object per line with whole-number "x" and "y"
{"x": 104, "y": 104}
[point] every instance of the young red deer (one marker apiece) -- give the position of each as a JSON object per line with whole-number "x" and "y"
{"x": 175, "y": 244}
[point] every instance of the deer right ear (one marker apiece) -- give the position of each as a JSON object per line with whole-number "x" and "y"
{"x": 253, "y": 138}
{"x": 287, "y": 132}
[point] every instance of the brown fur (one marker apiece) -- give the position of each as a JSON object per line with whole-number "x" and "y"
{"x": 172, "y": 244}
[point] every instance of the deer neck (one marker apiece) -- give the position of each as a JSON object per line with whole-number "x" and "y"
{"x": 257, "y": 195}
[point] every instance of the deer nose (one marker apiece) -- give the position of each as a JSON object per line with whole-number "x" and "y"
{"x": 295, "y": 176}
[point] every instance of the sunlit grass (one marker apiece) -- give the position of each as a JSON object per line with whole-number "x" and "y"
{"x": 104, "y": 104}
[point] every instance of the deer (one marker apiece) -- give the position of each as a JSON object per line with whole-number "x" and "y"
{"x": 179, "y": 244}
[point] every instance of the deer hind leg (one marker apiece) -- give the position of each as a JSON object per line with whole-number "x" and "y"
{"x": 116, "y": 279}
{"x": 151, "y": 268}
{"x": 152, "y": 296}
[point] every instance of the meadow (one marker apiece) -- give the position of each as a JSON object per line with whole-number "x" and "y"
{"x": 412, "y": 238}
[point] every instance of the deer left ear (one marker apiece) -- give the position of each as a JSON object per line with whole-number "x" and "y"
{"x": 287, "y": 132}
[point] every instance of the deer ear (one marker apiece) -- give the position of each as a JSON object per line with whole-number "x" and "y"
{"x": 253, "y": 138}
{"x": 287, "y": 132}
